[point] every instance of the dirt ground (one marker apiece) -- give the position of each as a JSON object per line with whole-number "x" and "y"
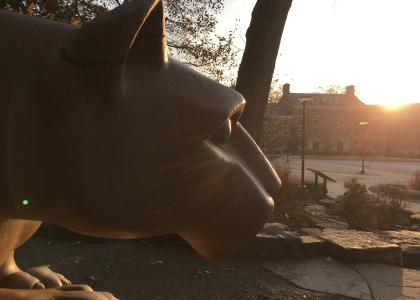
{"x": 147, "y": 269}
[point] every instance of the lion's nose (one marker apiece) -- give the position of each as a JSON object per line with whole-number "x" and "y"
{"x": 243, "y": 196}
{"x": 249, "y": 154}
{"x": 223, "y": 133}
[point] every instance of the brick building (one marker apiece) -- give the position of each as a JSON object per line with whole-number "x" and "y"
{"x": 333, "y": 125}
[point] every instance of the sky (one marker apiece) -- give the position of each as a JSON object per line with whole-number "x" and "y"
{"x": 372, "y": 44}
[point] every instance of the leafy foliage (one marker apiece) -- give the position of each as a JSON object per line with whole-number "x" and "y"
{"x": 193, "y": 38}
{"x": 276, "y": 91}
{"x": 330, "y": 89}
{"x": 391, "y": 193}
{"x": 69, "y": 11}
{"x": 416, "y": 181}
{"x": 383, "y": 210}
{"x": 289, "y": 206}
{"x": 191, "y": 24}
{"x": 276, "y": 134}
{"x": 256, "y": 70}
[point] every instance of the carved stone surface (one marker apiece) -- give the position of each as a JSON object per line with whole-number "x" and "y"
{"x": 415, "y": 227}
{"x": 409, "y": 242}
{"x": 411, "y": 256}
{"x": 328, "y": 201}
{"x": 105, "y": 134}
{"x": 313, "y": 246}
{"x": 274, "y": 231}
{"x": 401, "y": 237}
{"x": 312, "y": 231}
{"x": 360, "y": 246}
{"x": 415, "y": 219}
{"x": 319, "y": 215}
{"x": 401, "y": 248}
{"x": 275, "y": 240}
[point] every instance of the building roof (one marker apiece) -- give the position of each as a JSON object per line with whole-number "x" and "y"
{"x": 319, "y": 99}
{"x": 289, "y": 101}
{"x": 324, "y": 99}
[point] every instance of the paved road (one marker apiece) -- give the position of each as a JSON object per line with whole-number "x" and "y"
{"x": 377, "y": 171}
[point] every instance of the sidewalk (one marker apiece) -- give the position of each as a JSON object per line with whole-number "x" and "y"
{"x": 368, "y": 281}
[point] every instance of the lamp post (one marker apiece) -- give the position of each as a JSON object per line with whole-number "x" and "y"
{"x": 363, "y": 125}
{"x": 304, "y": 101}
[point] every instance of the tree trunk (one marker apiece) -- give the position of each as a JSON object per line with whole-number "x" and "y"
{"x": 259, "y": 60}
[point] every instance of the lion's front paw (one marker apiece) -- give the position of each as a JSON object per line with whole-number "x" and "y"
{"x": 34, "y": 278}
{"x": 71, "y": 292}
{"x": 48, "y": 277}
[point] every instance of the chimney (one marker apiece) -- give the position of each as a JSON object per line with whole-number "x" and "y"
{"x": 350, "y": 90}
{"x": 286, "y": 89}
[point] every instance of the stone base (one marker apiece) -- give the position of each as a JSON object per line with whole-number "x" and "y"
{"x": 313, "y": 246}
{"x": 319, "y": 216}
{"x": 274, "y": 241}
{"x": 411, "y": 256}
{"x": 360, "y": 246}
{"x": 415, "y": 219}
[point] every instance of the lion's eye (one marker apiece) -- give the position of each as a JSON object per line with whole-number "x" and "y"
{"x": 222, "y": 135}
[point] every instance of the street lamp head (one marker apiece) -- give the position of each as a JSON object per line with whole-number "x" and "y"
{"x": 304, "y": 100}
{"x": 363, "y": 123}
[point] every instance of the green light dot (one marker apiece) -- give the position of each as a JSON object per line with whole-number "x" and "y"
{"x": 25, "y": 202}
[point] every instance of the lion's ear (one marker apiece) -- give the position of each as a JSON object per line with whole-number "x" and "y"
{"x": 136, "y": 28}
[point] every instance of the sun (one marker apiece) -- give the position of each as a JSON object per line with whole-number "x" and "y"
{"x": 392, "y": 106}
{"x": 391, "y": 99}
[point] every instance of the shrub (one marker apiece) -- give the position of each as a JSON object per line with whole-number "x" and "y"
{"x": 353, "y": 203}
{"x": 416, "y": 181}
{"x": 289, "y": 208}
{"x": 393, "y": 194}
{"x": 383, "y": 210}
{"x": 283, "y": 171}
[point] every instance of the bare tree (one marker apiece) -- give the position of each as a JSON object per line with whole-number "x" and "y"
{"x": 330, "y": 89}
{"x": 258, "y": 62}
{"x": 194, "y": 40}
{"x": 191, "y": 24}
